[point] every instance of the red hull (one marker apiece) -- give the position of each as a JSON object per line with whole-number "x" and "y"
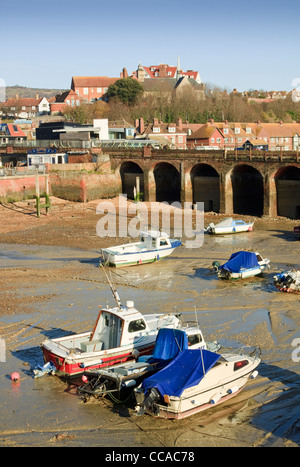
{"x": 74, "y": 369}
{"x": 287, "y": 290}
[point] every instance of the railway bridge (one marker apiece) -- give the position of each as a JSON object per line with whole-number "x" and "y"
{"x": 253, "y": 183}
{"x": 242, "y": 182}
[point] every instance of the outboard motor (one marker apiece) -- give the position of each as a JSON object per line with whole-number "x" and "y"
{"x": 150, "y": 398}
{"x": 216, "y": 265}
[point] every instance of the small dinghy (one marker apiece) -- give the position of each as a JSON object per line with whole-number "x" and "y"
{"x": 229, "y": 226}
{"x": 195, "y": 381}
{"x": 288, "y": 281}
{"x": 123, "y": 378}
{"x": 153, "y": 246}
{"x": 241, "y": 265}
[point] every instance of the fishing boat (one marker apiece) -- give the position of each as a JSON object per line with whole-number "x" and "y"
{"x": 118, "y": 334}
{"x": 152, "y": 246}
{"x": 241, "y": 265}
{"x": 121, "y": 379}
{"x": 229, "y": 226}
{"x": 288, "y": 281}
{"x": 194, "y": 381}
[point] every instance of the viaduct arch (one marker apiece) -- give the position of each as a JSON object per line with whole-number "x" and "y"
{"x": 251, "y": 187}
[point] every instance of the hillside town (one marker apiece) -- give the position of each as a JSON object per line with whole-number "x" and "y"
{"x": 35, "y": 120}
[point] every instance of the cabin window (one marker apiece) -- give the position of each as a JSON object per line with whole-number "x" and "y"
{"x": 194, "y": 339}
{"x": 163, "y": 242}
{"x": 137, "y": 325}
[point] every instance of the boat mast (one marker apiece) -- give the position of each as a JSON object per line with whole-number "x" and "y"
{"x": 114, "y": 292}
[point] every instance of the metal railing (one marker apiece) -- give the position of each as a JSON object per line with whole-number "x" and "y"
{"x": 22, "y": 171}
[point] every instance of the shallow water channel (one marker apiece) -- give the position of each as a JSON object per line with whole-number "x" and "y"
{"x": 65, "y": 289}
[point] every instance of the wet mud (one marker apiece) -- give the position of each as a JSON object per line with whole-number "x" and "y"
{"x": 50, "y": 291}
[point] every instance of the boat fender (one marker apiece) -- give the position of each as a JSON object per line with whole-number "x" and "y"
{"x": 254, "y": 374}
{"x": 130, "y": 383}
{"x": 233, "y": 389}
{"x": 215, "y": 398}
{"x": 135, "y": 353}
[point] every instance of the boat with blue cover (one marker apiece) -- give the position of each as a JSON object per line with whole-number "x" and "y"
{"x": 118, "y": 379}
{"x": 194, "y": 381}
{"x": 241, "y": 265}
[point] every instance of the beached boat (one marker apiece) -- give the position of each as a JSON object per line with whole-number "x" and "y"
{"x": 228, "y": 226}
{"x": 120, "y": 379}
{"x": 119, "y": 333}
{"x": 288, "y": 281}
{"x": 152, "y": 246}
{"x": 297, "y": 231}
{"x": 241, "y": 265}
{"x": 194, "y": 381}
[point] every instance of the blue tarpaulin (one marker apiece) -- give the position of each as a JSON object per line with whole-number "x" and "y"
{"x": 168, "y": 344}
{"x": 241, "y": 260}
{"x": 184, "y": 371}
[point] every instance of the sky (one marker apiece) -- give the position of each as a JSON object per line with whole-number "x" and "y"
{"x": 233, "y": 44}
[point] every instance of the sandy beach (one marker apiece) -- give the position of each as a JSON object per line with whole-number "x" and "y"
{"x": 50, "y": 283}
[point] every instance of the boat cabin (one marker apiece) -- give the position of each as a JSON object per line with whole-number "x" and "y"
{"x": 153, "y": 240}
{"x": 116, "y": 327}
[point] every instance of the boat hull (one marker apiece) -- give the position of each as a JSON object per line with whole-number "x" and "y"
{"x": 288, "y": 289}
{"x": 241, "y": 275}
{"x": 173, "y": 415}
{"x": 135, "y": 259}
{"x": 231, "y": 230}
{"x": 219, "y": 384}
{"x": 75, "y": 364}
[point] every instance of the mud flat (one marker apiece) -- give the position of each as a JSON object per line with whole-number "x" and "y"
{"x": 51, "y": 285}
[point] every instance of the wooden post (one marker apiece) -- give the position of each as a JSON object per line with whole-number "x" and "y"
{"x": 47, "y": 199}
{"x": 37, "y": 195}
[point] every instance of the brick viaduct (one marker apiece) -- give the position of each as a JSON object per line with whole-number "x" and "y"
{"x": 255, "y": 183}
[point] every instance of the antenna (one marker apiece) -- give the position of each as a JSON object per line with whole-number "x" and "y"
{"x": 203, "y": 367}
{"x": 114, "y": 292}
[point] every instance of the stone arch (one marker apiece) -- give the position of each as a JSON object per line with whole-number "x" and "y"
{"x": 167, "y": 182}
{"x": 129, "y": 172}
{"x": 206, "y": 186}
{"x": 287, "y": 182}
{"x": 247, "y": 190}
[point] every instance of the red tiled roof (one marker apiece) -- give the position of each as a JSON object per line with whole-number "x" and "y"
{"x": 22, "y": 102}
{"x": 92, "y": 81}
{"x": 15, "y": 130}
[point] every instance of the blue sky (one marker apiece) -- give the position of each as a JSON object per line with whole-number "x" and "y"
{"x": 233, "y": 44}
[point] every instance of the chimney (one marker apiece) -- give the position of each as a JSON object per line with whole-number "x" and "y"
{"x": 124, "y": 73}
{"x": 17, "y": 96}
{"x": 179, "y": 123}
{"x": 155, "y": 121}
{"x": 162, "y": 73}
{"x": 141, "y": 126}
{"x": 37, "y": 95}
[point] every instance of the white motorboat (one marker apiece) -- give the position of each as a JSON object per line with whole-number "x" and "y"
{"x": 118, "y": 334}
{"x": 195, "y": 381}
{"x": 288, "y": 281}
{"x": 123, "y": 378}
{"x": 153, "y": 246}
{"x": 228, "y": 226}
{"x": 242, "y": 265}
